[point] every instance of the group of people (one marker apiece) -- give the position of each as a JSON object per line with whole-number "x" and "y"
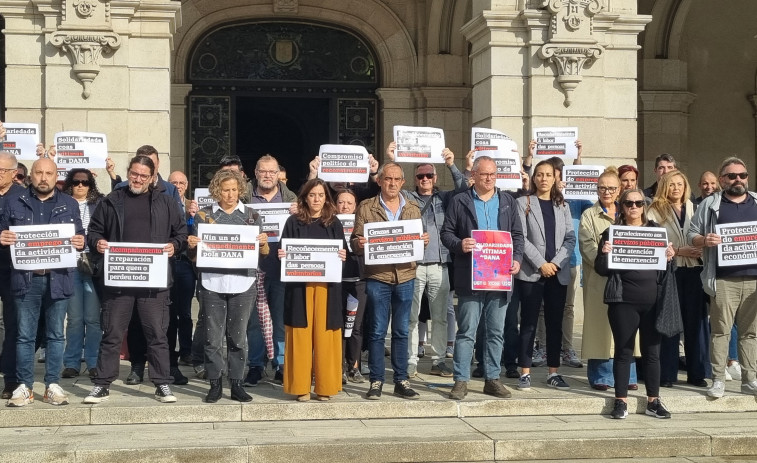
{"x": 249, "y": 317}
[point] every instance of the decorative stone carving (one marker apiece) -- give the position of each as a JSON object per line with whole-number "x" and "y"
{"x": 85, "y": 33}
{"x": 285, "y": 6}
{"x": 571, "y": 44}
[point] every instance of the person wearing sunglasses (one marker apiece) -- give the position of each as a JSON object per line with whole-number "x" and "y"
{"x": 22, "y": 175}
{"x": 632, "y": 298}
{"x": 673, "y": 210}
{"x": 83, "y": 313}
{"x": 736, "y": 286}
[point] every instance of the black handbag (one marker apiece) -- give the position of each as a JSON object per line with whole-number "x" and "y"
{"x": 83, "y": 264}
{"x": 669, "y": 319}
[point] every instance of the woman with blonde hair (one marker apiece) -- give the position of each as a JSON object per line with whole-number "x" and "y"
{"x": 673, "y": 209}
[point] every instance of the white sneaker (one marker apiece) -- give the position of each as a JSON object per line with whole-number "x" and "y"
{"x": 734, "y": 371}
{"x": 749, "y": 388}
{"x": 54, "y": 395}
{"x": 22, "y": 395}
{"x": 717, "y": 390}
{"x": 728, "y": 376}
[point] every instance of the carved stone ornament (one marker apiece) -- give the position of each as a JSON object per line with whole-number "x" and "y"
{"x": 571, "y": 44}
{"x": 285, "y": 6}
{"x": 85, "y": 50}
{"x": 85, "y": 8}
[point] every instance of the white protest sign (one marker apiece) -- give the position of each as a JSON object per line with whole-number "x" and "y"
{"x": 739, "y": 244}
{"x": 41, "y": 247}
{"x": 81, "y": 149}
{"x": 395, "y": 242}
{"x": 504, "y": 151}
{"x": 274, "y": 216}
{"x": 343, "y": 163}
{"x": 203, "y": 198}
{"x": 418, "y": 144}
{"x": 581, "y": 182}
{"x": 227, "y": 246}
{"x": 637, "y": 248}
{"x": 309, "y": 260}
{"x": 556, "y": 141}
{"x": 136, "y": 265}
{"x": 21, "y": 140}
{"x": 348, "y": 223}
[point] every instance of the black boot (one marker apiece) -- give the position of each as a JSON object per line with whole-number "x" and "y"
{"x": 216, "y": 389}
{"x": 237, "y": 391}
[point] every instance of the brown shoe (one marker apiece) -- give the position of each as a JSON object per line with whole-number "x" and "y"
{"x": 496, "y": 388}
{"x": 459, "y": 390}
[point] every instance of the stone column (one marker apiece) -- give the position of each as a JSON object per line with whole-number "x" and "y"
{"x": 93, "y": 65}
{"x": 179, "y": 129}
{"x": 558, "y": 63}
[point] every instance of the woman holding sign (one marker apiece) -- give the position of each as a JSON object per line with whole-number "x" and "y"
{"x": 673, "y": 210}
{"x": 632, "y": 297}
{"x": 313, "y": 312}
{"x": 226, "y": 295}
{"x": 545, "y": 272}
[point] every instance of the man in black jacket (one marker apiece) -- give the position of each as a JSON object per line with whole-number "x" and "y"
{"x": 482, "y": 207}
{"x": 136, "y": 213}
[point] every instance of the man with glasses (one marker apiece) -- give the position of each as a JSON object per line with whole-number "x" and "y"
{"x": 482, "y": 207}
{"x": 431, "y": 276}
{"x": 136, "y": 213}
{"x": 732, "y": 288}
{"x": 8, "y": 328}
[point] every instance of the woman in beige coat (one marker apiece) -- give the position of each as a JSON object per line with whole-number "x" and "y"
{"x": 597, "y": 345}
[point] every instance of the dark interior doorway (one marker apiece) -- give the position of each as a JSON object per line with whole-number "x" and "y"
{"x": 290, "y": 129}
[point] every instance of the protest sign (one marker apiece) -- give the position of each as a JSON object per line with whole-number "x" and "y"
{"x": 739, "y": 244}
{"x": 348, "y": 223}
{"x": 581, "y": 182}
{"x": 21, "y": 140}
{"x": 41, "y": 247}
{"x": 309, "y": 260}
{"x": 491, "y": 259}
{"x": 395, "y": 242}
{"x": 203, "y": 198}
{"x": 343, "y": 163}
{"x": 637, "y": 248}
{"x": 227, "y": 246}
{"x": 418, "y": 144}
{"x": 556, "y": 141}
{"x": 274, "y": 216}
{"x": 504, "y": 151}
{"x": 136, "y": 265}
{"x": 81, "y": 149}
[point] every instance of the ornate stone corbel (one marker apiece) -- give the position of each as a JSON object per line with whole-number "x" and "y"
{"x": 571, "y": 44}
{"x": 85, "y": 51}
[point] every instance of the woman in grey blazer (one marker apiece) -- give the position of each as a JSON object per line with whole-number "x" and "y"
{"x": 545, "y": 271}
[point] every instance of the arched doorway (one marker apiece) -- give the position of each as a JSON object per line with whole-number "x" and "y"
{"x": 282, "y": 88}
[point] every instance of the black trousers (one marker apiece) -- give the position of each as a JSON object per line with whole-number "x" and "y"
{"x": 8, "y": 330}
{"x": 118, "y": 306}
{"x": 532, "y": 294}
{"x": 625, "y": 320}
{"x": 354, "y": 344}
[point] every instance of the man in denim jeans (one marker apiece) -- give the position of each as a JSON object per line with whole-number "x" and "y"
{"x": 482, "y": 207}
{"x": 43, "y": 292}
{"x": 389, "y": 287}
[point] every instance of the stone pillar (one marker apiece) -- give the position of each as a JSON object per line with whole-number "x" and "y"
{"x": 179, "y": 129}
{"x": 664, "y": 115}
{"x": 558, "y": 63}
{"x": 93, "y": 65}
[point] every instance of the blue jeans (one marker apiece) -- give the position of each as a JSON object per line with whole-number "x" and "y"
{"x": 733, "y": 345}
{"x": 29, "y": 307}
{"x": 386, "y": 299}
{"x": 511, "y": 334}
{"x": 274, "y": 290}
{"x": 82, "y": 324}
{"x": 599, "y": 371}
{"x": 489, "y": 307}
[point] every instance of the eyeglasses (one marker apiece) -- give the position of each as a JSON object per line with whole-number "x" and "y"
{"x": 267, "y": 172}
{"x": 422, "y": 176}
{"x": 4, "y": 170}
{"x": 741, "y": 175}
{"x": 20, "y": 176}
{"x": 80, "y": 183}
{"x": 629, "y": 204}
{"x": 143, "y": 177}
{"x": 178, "y": 182}
{"x": 608, "y": 189}
{"x": 486, "y": 175}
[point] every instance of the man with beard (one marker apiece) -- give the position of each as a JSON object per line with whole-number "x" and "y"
{"x": 732, "y": 288}
{"x": 38, "y": 293}
{"x": 136, "y": 213}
